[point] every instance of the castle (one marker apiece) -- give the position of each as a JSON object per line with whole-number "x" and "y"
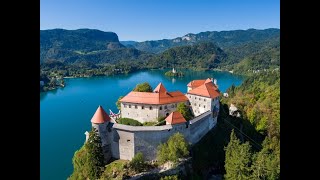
{"x": 123, "y": 141}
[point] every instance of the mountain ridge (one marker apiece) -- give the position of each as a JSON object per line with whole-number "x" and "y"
{"x": 221, "y": 38}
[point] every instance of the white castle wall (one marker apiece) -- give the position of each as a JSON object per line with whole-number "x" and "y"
{"x": 135, "y": 111}
{"x": 199, "y": 104}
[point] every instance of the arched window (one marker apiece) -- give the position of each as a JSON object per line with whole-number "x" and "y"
{"x": 135, "y": 106}
{"x": 150, "y": 107}
{"x": 160, "y": 107}
{"x": 129, "y": 106}
{"x": 142, "y": 107}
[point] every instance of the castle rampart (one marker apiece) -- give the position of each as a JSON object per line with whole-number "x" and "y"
{"x": 126, "y": 140}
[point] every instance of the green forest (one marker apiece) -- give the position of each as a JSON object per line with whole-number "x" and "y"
{"x": 246, "y": 147}
{"x": 87, "y": 53}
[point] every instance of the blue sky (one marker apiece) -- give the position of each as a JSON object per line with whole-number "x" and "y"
{"x": 142, "y": 20}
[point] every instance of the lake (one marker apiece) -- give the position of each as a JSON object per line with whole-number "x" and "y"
{"x": 65, "y": 113}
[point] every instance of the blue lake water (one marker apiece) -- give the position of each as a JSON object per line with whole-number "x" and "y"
{"x": 65, "y": 113}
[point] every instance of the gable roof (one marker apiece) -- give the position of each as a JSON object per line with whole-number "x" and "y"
{"x": 159, "y": 96}
{"x": 196, "y": 83}
{"x": 160, "y": 89}
{"x": 100, "y": 116}
{"x": 207, "y": 90}
{"x": 175, "y": 118}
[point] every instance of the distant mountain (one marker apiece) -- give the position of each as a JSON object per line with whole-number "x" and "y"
{"x": 223, "y": 39}
{"x": 84, "y": 45}
{"x": 239, "y": 52}
{"x": 129, "y": 43}
{"x": 203, "y": 55}
{"x": 93, "y": 52}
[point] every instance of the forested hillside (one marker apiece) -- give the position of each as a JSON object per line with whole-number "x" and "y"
{"x": 253, "y": 150}
{"x": 89, "y": 52}
{"x": 201, "y": 56}
{"x": 223, "y": 39}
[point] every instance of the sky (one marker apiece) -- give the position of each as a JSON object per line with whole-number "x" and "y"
{"x": 142, "y": 20}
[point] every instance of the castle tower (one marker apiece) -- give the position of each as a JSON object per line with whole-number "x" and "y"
{"x": 100, "y": 121}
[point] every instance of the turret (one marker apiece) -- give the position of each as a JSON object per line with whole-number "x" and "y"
{"x": 100, "y": 121}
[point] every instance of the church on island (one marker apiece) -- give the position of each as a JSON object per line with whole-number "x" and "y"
{"x": 124, "y": 141}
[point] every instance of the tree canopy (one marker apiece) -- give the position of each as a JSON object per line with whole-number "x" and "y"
{"x": 238, "y": 158}
{"x": 143, "y": 87}
{"x": 88, "y": 161}
{"x": 176, "y": 147}
{"x": 185, "y": 111}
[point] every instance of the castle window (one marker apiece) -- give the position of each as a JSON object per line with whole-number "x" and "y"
{"x": 150, "y": 107}
{"x": 200, "y": 99}
{"x": 204, "y": 99}
{"x": 135, "y": 106}
{"x": 195, "y": 97}
{"x": 199, "y": 105}
{"x": 204, "y": 106}
{"x": 128, "y": 140}
{"x": 165, "y": 107}
{"x": 172, "y": 106}
{"x": 129, "y": 106}
{"x": 160, "y": 107}
{"x": 142, "y": 107}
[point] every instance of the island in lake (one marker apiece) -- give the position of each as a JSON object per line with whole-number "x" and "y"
{"x": 174, "y": 73}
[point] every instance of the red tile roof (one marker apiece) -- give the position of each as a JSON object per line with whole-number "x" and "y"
{"x": 159, "y": 96}
{"x": 208, "y": 80}
{"x": 175, "y": 118}
{"x": 195, "y": 83}
{"x": 160, "y": 89}
{"x": 100, "y": 116}
{"x": 207, "y": 90}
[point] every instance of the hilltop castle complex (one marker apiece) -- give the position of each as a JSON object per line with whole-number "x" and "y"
{"x": 123, "y": 141}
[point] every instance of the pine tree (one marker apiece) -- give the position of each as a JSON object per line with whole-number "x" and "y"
{"x": 238, "y": 159}
{"x": 88, "y": 162}
{"x": 266, "y": 163}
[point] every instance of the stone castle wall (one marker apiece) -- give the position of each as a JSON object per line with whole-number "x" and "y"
{"x": 126, "y": 141}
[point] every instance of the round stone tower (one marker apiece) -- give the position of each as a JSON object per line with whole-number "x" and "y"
{"x": 100, "y": 121}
